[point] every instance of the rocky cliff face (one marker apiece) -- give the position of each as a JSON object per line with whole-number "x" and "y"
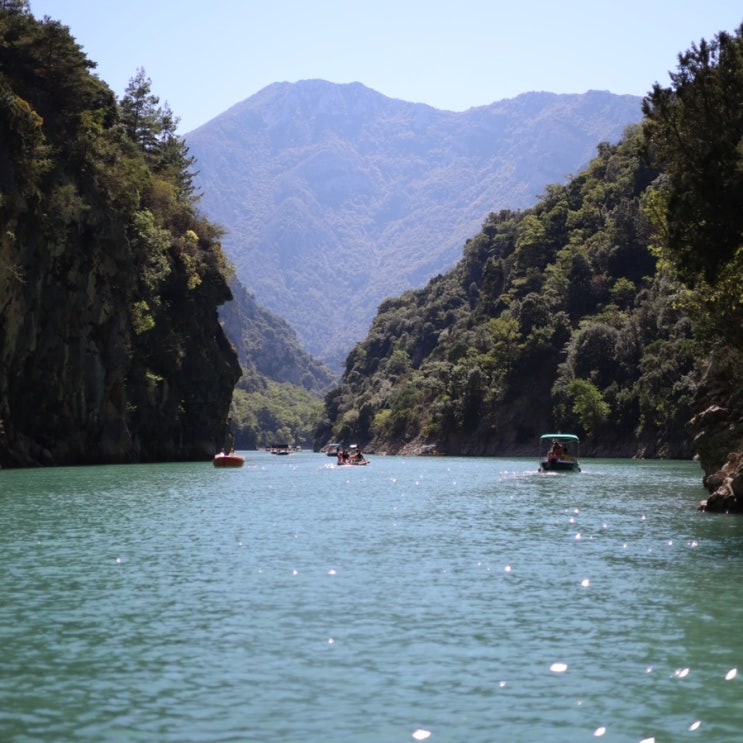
{"x": 77, "y": 383}
{"x": 110, "y": 345}
{"x": 717, "y": 427}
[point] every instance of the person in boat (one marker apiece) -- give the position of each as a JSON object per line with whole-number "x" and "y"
{"x": 556, "y": 452}
{"x": 358, "y": 457}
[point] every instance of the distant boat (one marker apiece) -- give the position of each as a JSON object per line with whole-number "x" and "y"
{"x": 228, "y": 460}
{"x": 333, "y": 449}
{"x": 560, "y": 452}
{"x": 281, "y": 449}
{"x": 352, "y": 458}
{"x": 353, "y": 463}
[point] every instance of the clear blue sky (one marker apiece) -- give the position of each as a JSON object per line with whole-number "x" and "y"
{"x": 203, "y": 56}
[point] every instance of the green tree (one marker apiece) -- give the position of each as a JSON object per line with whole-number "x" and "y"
{"x": 153, "y": 128}
{"x": 141, "y": 115}
{"x": 694, "y": 131}
{"x": 590, "y": 352}
{"x": 589, "y": 406}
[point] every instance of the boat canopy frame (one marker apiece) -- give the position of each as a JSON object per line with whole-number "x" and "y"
{"x": 565, "y": 436}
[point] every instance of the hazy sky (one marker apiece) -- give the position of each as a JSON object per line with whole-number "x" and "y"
{"x": 203, "y": 56}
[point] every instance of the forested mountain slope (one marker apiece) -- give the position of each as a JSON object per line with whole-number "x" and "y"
{"x": 335, "y": 196}
{"x": 266, "y": 344}
{"x": 555, "y": 318}
{"x": 110, "y": 345}
{"x": 278, "y": 395}
{"x": 612, "y": 308}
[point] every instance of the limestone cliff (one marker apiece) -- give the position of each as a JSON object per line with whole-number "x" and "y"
{"x": 78, "y": 385}
{"x": 110, "y": 345}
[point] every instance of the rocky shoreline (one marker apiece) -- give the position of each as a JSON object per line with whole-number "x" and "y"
{"x": 717, "y": 431}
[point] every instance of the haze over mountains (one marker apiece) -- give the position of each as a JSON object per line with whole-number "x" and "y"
{"x": 335, "y": 197}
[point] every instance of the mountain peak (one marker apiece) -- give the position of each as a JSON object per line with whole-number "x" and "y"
{"x": 335, "y": 196}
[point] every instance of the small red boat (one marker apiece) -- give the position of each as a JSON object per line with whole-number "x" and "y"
{"x": 228, "y": 460}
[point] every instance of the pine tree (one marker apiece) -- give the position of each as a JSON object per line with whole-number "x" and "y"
{"x": 153, "y": 128}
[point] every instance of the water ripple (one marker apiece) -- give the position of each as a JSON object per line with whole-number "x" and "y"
{"x": 426, "y": 599}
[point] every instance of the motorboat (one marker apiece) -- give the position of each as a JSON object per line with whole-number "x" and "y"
{"x": 231, "y": 459}
{"x": 559, "y": 452}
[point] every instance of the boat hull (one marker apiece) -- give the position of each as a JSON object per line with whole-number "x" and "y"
{"x": 228, "y": 460}
{"x": 558, "y": 465}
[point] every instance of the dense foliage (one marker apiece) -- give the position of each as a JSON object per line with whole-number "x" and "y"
{"x": 555, "y": 318}
{"x": 266, "y": 412}
{"x": 110, "y": 346}
{"x": 572, "y": 315}
{"x": 278, "y": 397}
{"x": 694, "y": 130}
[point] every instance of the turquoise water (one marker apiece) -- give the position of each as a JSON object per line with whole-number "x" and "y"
{"x": 430, "y": 599}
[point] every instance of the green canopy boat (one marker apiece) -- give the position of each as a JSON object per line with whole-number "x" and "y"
{"x": 559, "y": 452}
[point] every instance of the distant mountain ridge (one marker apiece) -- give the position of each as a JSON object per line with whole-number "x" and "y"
{"x": 335, "y": 197}
{"x": 267, "y": 343}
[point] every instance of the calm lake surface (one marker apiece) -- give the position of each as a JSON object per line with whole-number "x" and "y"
{"x": 434, "y": 599}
